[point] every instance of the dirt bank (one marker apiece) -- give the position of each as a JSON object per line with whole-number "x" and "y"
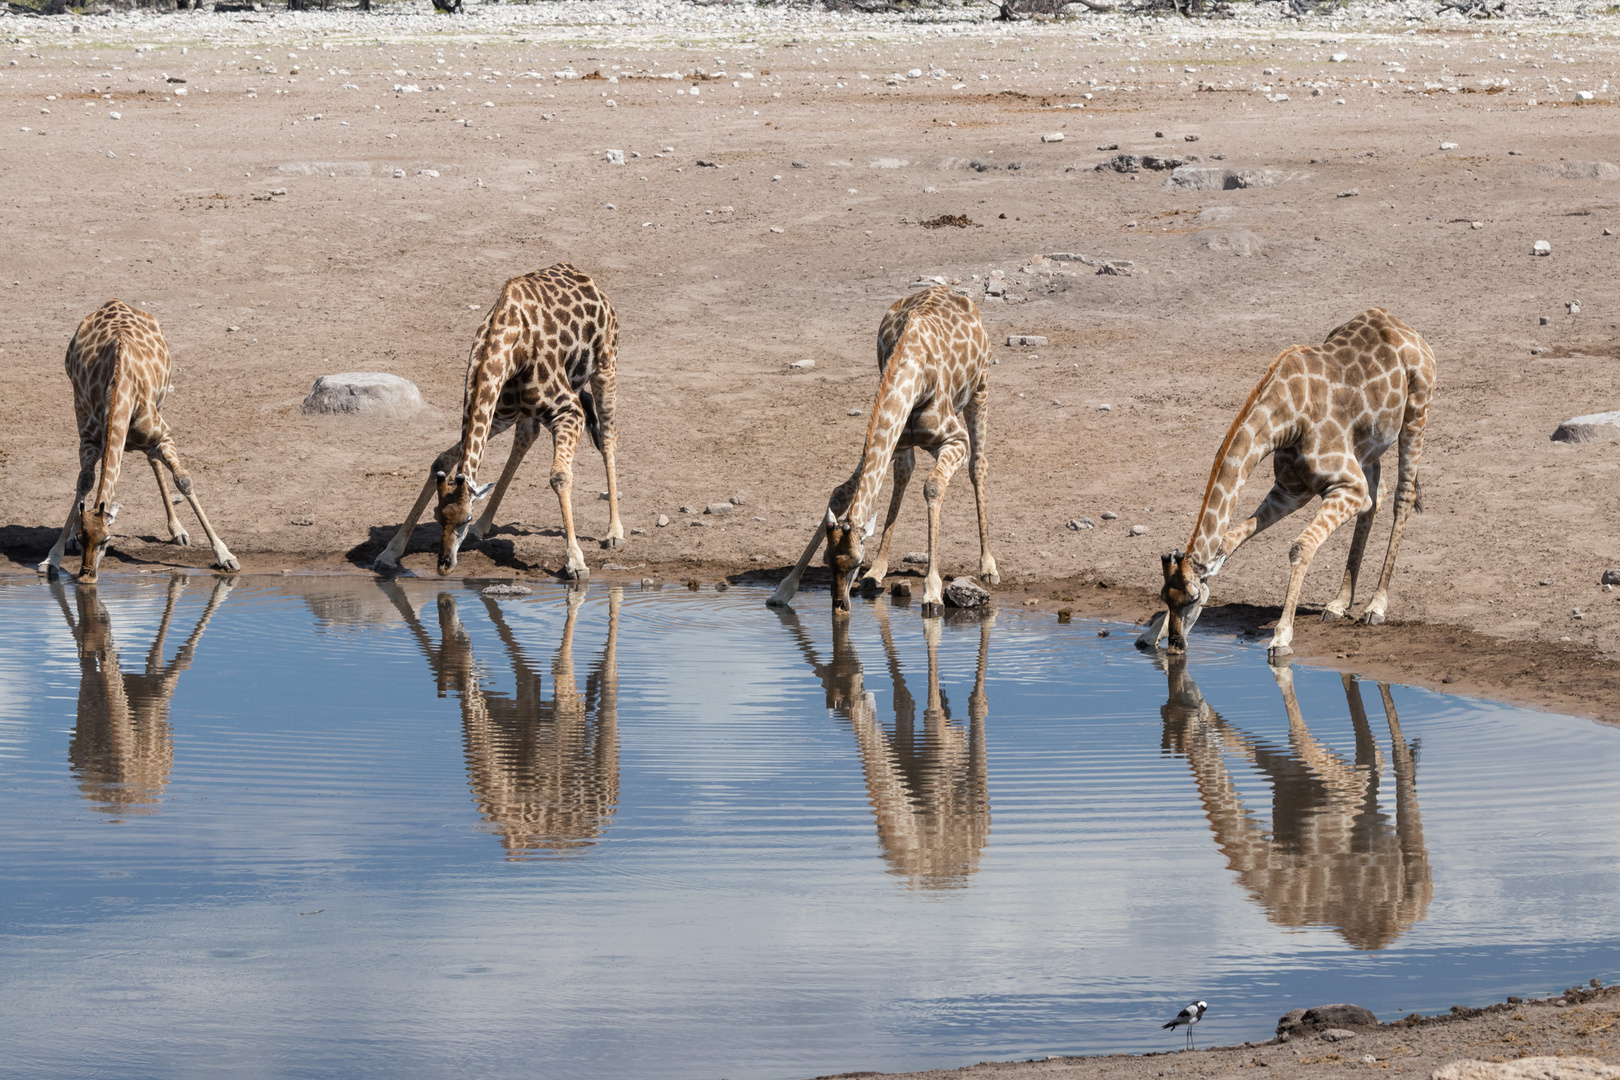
{"x": 1582, "y": 1023}
{"x": 1339, "y": 189}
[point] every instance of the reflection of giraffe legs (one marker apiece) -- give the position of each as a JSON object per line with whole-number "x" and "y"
{"x": 1330, "y": 857}
{"x": 123, "y": 744}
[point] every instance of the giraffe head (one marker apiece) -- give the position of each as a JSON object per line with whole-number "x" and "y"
{"x": 457, "y": 493}
{"x": 95, "y": 532}
{"x": 1186, "y": 587}
{"x": 845, "y": 551}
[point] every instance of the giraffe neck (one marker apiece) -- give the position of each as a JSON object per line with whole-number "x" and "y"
{"x": 120, "y": 406}
{"x": 896, "y": 396}
{"x": 1264, "y": 421}
{"x": 483, "y": 393}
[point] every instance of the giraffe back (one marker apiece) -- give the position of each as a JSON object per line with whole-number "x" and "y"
{"x": 552, "y": 330}
{"x": 117, "y": 349}
{"x": 941, "y": 332}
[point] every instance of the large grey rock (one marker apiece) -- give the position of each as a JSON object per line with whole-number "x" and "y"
{"x": 1610, "y": 577}
{"x": 1531, "y": 1068}
{"x": 964, "y": 592}
{"x": 1322, "y": 1017}
{"x": 368, "y": 393}
{"x": 1594, "y": 427}
{"x": 1198, "y": 178}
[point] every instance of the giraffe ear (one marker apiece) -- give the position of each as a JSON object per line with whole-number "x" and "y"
{"x": 483, "y": 489}
{"x": 831, "y": 522}
{"x": 439, "y": 475}
{"x": 112, "y": 512}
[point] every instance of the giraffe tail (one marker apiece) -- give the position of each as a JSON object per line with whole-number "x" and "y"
{"x": 1417, "y": 496}
{"x": 593, "y": 424}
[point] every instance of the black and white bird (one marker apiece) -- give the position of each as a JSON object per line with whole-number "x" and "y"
{"x": 1189, "y": 1016}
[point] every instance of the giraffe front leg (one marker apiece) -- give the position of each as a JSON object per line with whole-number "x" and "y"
{"x": 604, "y": 383}
{"x": 565, "y": 439}
{"x": 904, "y": 462}
{"x": 1405, "y": 500}
{"x": 177, "y": 531}
{"x": 387, "y": 560}
{"x": 528, "y": 429}
{"x": 182, "y": 480}
{"x": 950, "y": 457}
{"x": 1338, "y": 506}
{"x": 52, "y": 566}
{"x": 839, "y": 502}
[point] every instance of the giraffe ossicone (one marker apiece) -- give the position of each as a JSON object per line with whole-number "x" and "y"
{"x": 1326, "y": 414}
{"x": 934, "y": 363}
{"x": 544, "y": 356}
{"x": 119, "y": 365}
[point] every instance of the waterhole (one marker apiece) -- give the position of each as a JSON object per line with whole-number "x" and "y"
{"x": 340, "y": 827}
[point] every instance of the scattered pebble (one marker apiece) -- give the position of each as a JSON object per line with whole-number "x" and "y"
{"x": 1542, "y": 248}
{"x": 802, "y": 365}
{"x": 1105, "y": 407}
{"x": 1109, "y": 515}
{"x": 614, "y": 157}
{"x": 506, "y": 589}
{"x": 1448, "y": 146}
{"x": 738, "y": 500}
{"x": 1025, "y": 339}
{"x": 688, "y": 509}
{"x": 1078, "y": 524}
{"x": 718, "y": 509}
{"x": 1056, "y": 136}
{"x": 1139, "y": 530}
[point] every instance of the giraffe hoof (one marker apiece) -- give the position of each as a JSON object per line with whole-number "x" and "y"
{"x": 230, "y": 565}
{"x": 930, "y": 611}
{"x": 1279, "y": 654}
{"x": 49, "y": 569}
{"x": 1372, "y": 618}
{"x": 574, "y": 573}
{"x": 182, "y": 538}
{"x": 1331, "y": 615}
{"x": 613, "y": 542}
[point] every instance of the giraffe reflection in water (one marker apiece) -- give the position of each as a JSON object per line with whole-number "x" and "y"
{"x": 122, "y": 748}
{"x": 928, "y": 785}
{"x": 1332, "y": 857}
{"x": 545, "y": 774}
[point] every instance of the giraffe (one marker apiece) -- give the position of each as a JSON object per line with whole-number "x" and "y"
{"x": 1331, "y": 856}
{"x": 545, "y": 775}
{"x": 933, "y": 362}
{"x": 928, "y": 784}
{"x": 119, "y": 365}
{"x": 543, "y": 356}
{"x": 1326, "y": 413}
{"x": 123, "y": 746}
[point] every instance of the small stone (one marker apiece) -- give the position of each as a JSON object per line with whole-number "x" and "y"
{"x": 738, "y": 500}
{"x": 1025, "y": 339}
{"x": 506, "y": 589}
{"x": 852, "y": 412}
{"x": 1190, "y": 138}
{"x": 916, "y": 558}
{"x": 1139, "y": 530}
{"x": 1610, "y": 577}
{"x": 614, "y": 157}
{"x": 1576, "y": 613}
{"x": 646, "y": 583}
{"x": 1608, "y": 232}
{"x": 638, "y": 531}
{"x": 1593, "y": 427}
{"x": 964, "y": 592}
{"x": 802, "y": 365}
{"x": 362, "y": 392}
{"x": 303, "y": 521}
{"x": 1102, "y": 633}
{"x": 1349, "y": 193}
{"x": 1337, "y": 1035}
{"x": 663, "y": 520}
{"x": 1109, "y": 515}
{"x": 1056, "y": 136}
{"x": 1584, "y": 95}
{"x": 1544, "y": 582}
{"x": 1105, "y": 407}
{"x": 1338, "y": 58}
{"x": 278, "y": 191}
{"x": 1476, "y": 224}
{"x": 689, "y": 510}
{"x": 1079, "y": 524}
{"x": 1368, "y": 1059}
{"x": 698, "y": 523}
{"x": 1544, "y": 321}
{"x": 900, "y": 588}
{"x": 1573, "y": 307}
{"x": 431, "y": 174}
{"x": 718, "y": 509}
{"x": 1448, "y": 146}
{"x": 914, "y": 73}
{"x": 1542, "y": 248}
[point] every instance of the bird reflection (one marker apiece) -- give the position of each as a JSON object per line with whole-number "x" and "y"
{"x": 1332, "y": 856}
{"x": 122, "y": 748}
{"x": 928, "y": 785}
{"x": 545, "y": 774}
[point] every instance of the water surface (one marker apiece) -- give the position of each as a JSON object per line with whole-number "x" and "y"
{"x": 337, "y": 827}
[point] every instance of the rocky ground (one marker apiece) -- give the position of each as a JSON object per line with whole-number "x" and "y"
{"x": 1563, "y": 1038}
{"x": 299, "y": 194}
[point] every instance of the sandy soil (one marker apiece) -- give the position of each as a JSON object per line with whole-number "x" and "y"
{"x": 1581, "y": 1023}
{"x": 793, "y": 241}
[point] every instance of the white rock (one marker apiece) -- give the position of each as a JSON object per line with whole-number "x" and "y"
{"x": 802, "y": 365}
{"x": 1593, "y": 427}
{"x": 1139, "y": 530}
{"x": 504, "y": 589}
{"x": 1448, "y": 146}
{"x": 1542, "y": 248}
{"x": 1056, "y": 136}
{"x": 369, "y": 393}
{"x": 1025, "y": 339}
{"x": 914, "y": 73}
{"x": 718, "y": 509}
{"x": 1584, "y": 95}
{"x": 964, "y": 592}
{"x": 1338, "y": 58}
{"x": 614, "y": 157}
{"x": 399, "y": 174}
{"x": 663, "y": 520}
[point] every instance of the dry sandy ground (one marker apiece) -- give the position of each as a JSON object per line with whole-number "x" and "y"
{"x": 1583, "y": 1023}
{"x": 791, "y": 244}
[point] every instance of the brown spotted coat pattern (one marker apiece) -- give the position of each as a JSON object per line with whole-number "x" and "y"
{"x": 544, "y": 356}
{"x": 119, "y": 365}
{"x": 1327, "y": 414}
{"x": 934, "y": 362}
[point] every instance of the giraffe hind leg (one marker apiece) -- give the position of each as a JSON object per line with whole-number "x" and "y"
{"x": 1358, "y": 547}
{"x": 904, "y": 462}
{"x": 182, "y": 480}
{"x": 528, "y": 429}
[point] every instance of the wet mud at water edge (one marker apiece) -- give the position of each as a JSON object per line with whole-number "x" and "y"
{"x": 404, "y": 827}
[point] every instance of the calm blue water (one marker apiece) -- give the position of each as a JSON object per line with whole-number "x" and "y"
{"x": 330, "y": 827}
